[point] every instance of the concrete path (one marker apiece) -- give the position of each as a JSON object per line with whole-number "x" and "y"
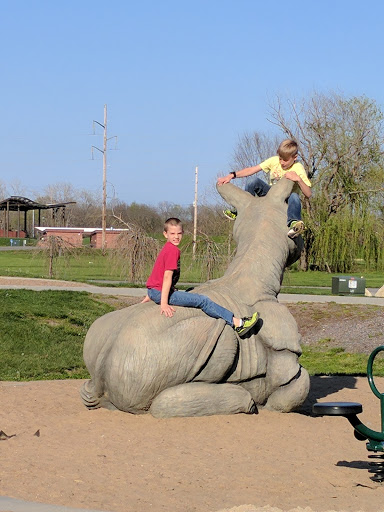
{"x": 14, "y": 505}
{"x": 140, "y": 292}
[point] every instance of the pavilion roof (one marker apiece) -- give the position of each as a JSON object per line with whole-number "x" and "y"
{"x": 23, "y": 204}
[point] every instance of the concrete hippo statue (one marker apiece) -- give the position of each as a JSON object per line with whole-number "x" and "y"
{"x": 194, "y": 365}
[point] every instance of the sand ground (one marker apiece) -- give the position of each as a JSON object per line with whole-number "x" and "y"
{"x": 63, "y": 454}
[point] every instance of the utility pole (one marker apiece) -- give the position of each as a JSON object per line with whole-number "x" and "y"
{"x": 195, "y": 215}
{"x": 104, "y": 151}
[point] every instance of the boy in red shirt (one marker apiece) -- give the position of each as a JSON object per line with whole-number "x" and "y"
{"x": 165, "y": 274}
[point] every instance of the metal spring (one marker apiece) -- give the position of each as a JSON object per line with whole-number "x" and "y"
{"x": 377, "y": 467}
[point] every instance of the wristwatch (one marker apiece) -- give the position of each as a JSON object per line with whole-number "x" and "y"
{"x": 234, "y": 174}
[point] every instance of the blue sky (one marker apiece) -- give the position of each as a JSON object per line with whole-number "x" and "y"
{"x": 182, "y": 80}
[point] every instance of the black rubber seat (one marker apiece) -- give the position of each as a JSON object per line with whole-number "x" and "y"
{"x": 337, "y": 408}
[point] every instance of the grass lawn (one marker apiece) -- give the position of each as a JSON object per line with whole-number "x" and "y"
{"x": 42, "y": 335}
{"x": 89, "y": 264}
{"x": 336, "y": 361}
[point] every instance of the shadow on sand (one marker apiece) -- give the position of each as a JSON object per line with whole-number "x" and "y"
{"x": 323, "y": 386}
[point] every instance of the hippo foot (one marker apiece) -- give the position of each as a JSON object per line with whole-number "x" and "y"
{"x": 202, "y": 399}
{"x": 290, "y": 396}
{"x": 91, "y": 399}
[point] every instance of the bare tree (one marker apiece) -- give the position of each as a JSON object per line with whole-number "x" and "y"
{"x": 3, "y": 190}
{"x": 340, "y": 143}
{"x": 55, "y": 249}
{"x": 341, "y": 146}
{"x": 253, "y": 148}
{"x": 135, "y": 253}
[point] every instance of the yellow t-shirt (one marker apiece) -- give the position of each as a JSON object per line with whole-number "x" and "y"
{"x": 275, "y": 171}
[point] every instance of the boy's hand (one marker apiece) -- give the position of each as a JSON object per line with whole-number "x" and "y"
{"x": 167, "y": 310}
{"x": 306, "y": 190}
{"x": 291, "y": 175}
{"x": 146, "y": 299}
{"x": 225, "y": 179}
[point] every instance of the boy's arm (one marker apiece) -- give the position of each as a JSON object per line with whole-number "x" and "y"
{"x": 306, "y": 190}
{"x": 165, "y": 308}
{"x": 247, "y": 171}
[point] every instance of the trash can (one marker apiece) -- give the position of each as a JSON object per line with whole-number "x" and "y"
{"x": 348, "y": 285}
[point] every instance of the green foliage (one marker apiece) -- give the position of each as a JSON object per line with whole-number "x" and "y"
{"x": 42, "y": 333}
{"x": 343, "y": 237}
{"x": 341, "y": 146}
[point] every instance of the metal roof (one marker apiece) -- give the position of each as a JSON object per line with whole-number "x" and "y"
{"x": 23, "y": 204}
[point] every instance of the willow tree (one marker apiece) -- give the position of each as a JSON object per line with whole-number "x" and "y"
{"x": 341, "y": 147}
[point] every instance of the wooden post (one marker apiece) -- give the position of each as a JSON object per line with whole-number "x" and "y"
{"x": 195, "y": 215}
{"x": 104, "y": 212}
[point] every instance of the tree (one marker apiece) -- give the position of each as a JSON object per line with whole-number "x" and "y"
{"x": 340, "y": 145}
{"x": 135, "y": 253}
{"x": 144, "y": 216}
{"x": 252, "y": 149}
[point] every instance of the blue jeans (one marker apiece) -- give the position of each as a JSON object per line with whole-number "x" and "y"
{"x": 258, "y": 187}
{"x": 194, "y": 300}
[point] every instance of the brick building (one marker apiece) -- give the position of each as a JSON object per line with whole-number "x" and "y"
{"x": 74, "y": 236}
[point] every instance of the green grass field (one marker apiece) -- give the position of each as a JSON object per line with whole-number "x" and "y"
{"x": 42, "y": 335}
{"x": 90, "y": 264}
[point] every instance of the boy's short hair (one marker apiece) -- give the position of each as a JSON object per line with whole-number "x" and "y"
{"x": 287, "y": 149}
{"x": 172, "y": 221}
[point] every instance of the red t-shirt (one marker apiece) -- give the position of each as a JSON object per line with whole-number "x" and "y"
{"x": 168, "y": 259}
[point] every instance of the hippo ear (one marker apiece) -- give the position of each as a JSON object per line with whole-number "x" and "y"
{"x": 281, "y": 191}
{"x": 234, "y": 196}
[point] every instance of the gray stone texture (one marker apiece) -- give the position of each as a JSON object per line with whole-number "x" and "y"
{"x": 194, "y": 365}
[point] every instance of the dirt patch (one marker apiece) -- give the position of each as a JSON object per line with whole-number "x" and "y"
{"x": 355, "y": 328}
{"x": 115, "y": 461}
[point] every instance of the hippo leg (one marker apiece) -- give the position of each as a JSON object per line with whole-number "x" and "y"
{"x": 202, "y": 399}
{"x": 290, "y": 396}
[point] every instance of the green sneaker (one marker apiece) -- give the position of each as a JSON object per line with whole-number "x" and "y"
{"x": 296, "y": 228}
{"x": 248, "y": 323}
{"x": 230, "y": 214}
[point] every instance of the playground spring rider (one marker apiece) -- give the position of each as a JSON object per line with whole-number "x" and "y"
{"x": 350, "y": 410}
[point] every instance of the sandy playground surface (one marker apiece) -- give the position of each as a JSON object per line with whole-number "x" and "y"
{"x": 63, "y": 454}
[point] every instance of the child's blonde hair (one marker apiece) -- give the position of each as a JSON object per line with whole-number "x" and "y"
{"x": 172, "y": 221}
{"x": 287, "y": 149}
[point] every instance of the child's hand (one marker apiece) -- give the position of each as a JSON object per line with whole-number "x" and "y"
{"x": 146, "y": 299}
{"x": 291, "y": 175}
{"x": 167, "y": 310}
{"x": 224, "y": 179}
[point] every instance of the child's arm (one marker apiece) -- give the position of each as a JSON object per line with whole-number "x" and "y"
{"x": 247, "y": 171}
{"x": 306, "y": 190}
{"x": 146, "y": 299}
{"x": 165, "y": 308}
